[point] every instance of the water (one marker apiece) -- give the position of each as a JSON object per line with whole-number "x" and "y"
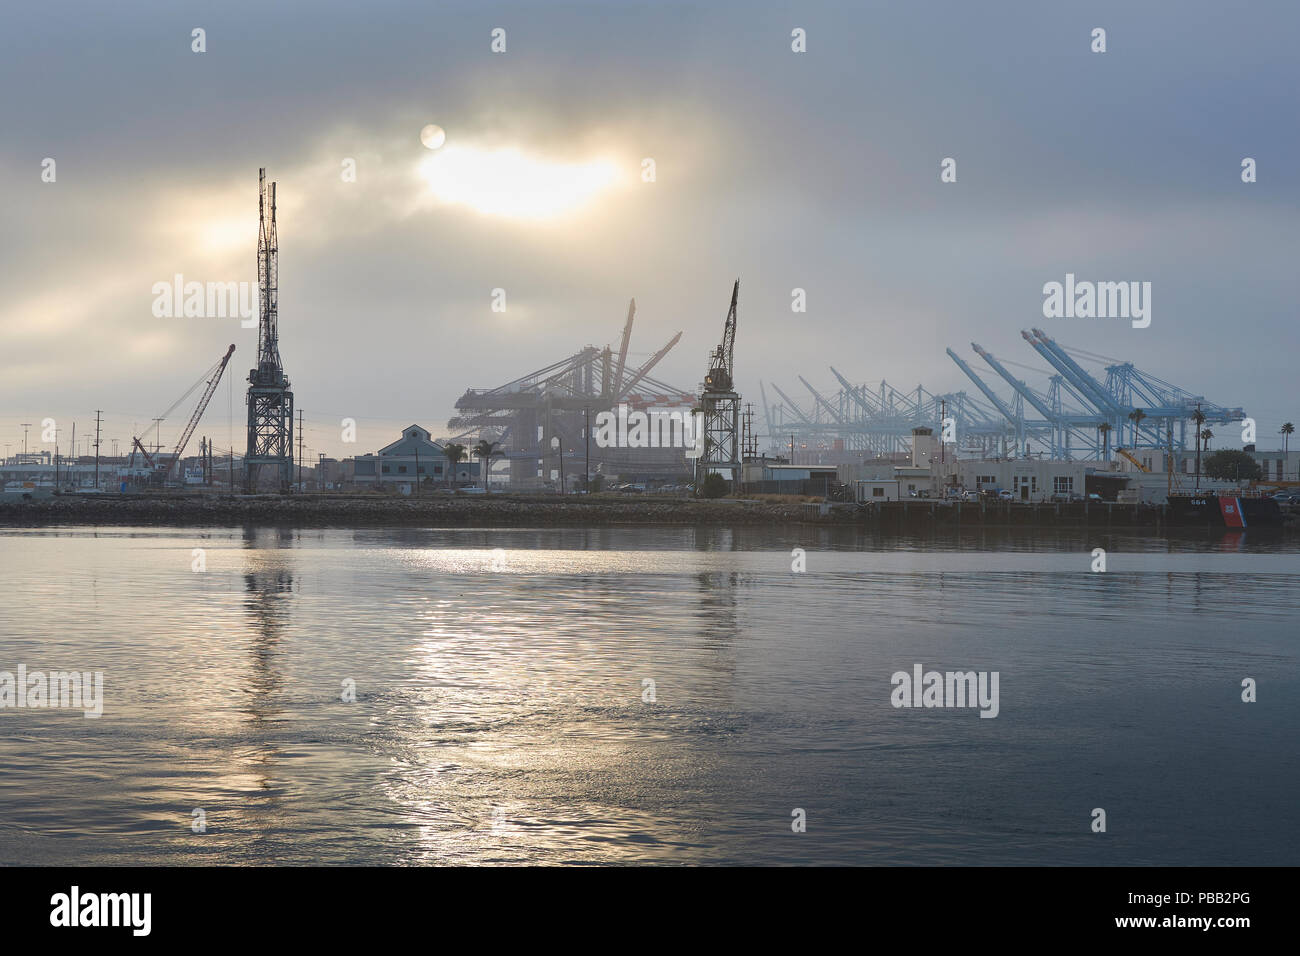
{"x": 499, "y": 712}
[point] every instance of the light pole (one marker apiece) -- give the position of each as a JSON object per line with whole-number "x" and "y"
{"x": 559, "y": 454}
{"x": 586, "y": 432}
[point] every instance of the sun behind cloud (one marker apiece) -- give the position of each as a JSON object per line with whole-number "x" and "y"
{"x": 507, "y": 182}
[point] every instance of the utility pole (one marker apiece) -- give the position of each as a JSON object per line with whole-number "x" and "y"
{"x": 792, "y": 449}
{"x": 98, "y": 412}
{"x": 300, "y": 451}
{"x": 1169, "y": 462}
{"x": 943, "y": 445}
{"x": 56, "y": 459}
{"x": 560, "y": 452}
{"x": 586, "y": 431}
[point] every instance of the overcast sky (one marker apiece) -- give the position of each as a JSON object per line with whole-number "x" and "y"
{"x": 817, "y": 170}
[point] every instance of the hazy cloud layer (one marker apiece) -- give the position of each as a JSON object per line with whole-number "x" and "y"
{"x": 816, "y": 170}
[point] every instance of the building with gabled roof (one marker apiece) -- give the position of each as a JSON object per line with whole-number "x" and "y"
{"x": 415, "y": 457}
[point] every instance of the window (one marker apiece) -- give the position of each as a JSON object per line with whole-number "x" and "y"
{"x": 385, "y": 469}
{"x": 420, "y": 470}
{"x": 401, "y": 469}
{"x": 877, "y": 492}
{"x": 1033, "y": 483}
{"x": 1063, "y": 484}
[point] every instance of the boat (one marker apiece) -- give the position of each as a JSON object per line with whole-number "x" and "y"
{"x": 1214, "y": 510}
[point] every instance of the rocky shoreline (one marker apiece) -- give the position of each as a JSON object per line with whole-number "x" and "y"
{"x": 360, "y": 511}
{"x": 533, "y": 511}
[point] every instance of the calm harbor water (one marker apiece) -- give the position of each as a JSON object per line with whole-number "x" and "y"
{"x": 501, "y": 683}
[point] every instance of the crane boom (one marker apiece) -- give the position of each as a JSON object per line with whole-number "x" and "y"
{"x": 719, "y": 378}
{"x": 622, "y": 350}
{"x": 1140, "y": 467}
{"x": 202, "y": 406}
{"x": 147, "y": 457}
{"x": 644, "y": 370}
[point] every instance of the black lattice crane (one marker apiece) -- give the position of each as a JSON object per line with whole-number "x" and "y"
{"x": 720, "y": 406}
{"x": 722, "y": 358}
{"x": 270, "y": 402}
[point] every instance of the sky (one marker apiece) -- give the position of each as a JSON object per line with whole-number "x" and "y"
{"x": 817, "y": 170}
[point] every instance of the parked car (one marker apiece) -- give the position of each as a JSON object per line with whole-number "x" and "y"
{"x": 1006, "y": 496}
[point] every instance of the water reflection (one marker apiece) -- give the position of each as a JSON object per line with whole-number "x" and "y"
{"x": 500, "y": 713}
{"x": 258, "y": 807}
{"x": 268, "y": 586}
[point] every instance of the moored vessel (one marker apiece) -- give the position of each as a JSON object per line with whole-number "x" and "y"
{"x": 1224, "y": 511}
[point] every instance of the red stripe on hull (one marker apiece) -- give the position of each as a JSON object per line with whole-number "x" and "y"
{"x": 1233, "y": 516}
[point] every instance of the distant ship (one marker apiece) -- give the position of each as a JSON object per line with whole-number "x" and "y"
{"x": 1224, "y": 511}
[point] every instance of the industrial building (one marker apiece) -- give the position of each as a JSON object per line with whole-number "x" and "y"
{"x": 414, "y": 457}
{"x": 772, "y": 476}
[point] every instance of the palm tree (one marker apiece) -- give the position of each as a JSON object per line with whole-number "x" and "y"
{"x": 1104, "y": 430}
{"x": 1199, "y": 418}
{"x": 1206, "y": 435}
{"x": 455, "y": 454}
{"x": 484, "y": 451}
{"x": 1136, "y": 417}
{"x": 1287, "y": 431}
